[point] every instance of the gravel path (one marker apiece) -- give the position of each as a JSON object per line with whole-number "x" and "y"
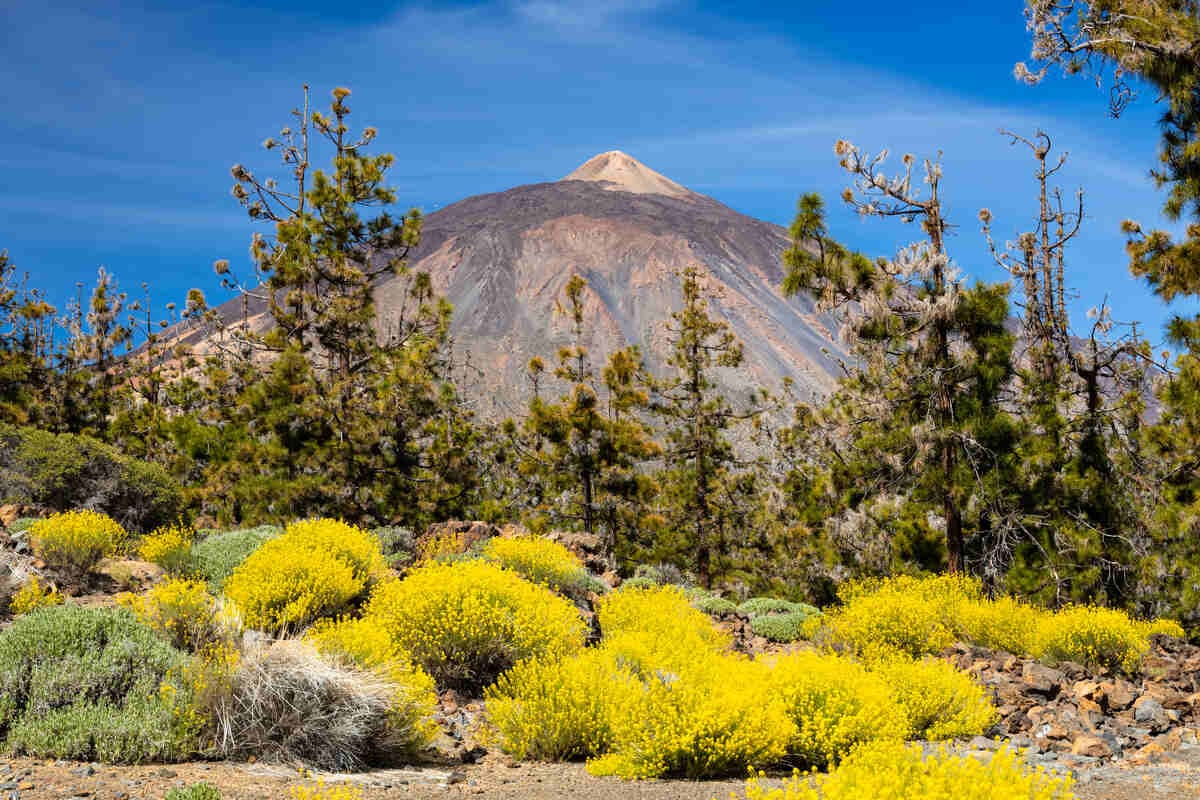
{"x": 1177, "y": 778}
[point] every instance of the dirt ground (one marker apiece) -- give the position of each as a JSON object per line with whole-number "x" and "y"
{"x": 491, "y": 779}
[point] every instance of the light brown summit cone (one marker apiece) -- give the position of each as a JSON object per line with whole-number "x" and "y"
{"x": 624, "y": 173}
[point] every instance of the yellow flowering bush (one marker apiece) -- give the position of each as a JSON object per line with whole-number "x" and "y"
{"x": 539, "y": 560}
{"x": 184, "y": 612}
{"x": 440, "y": 546}
{"x": 1095, "y": 637}
{"x": 1165, "y": 627}
{"x": 913, "y": 615}
{"x": 924, "y": 616}
{"x": 321, "y": 791}
{"x": 367, "y": 644}
{"x": 939, "y": 701}
{"x": 1004, "y": 623}
{"x": 314, "y": 570}
{"x": 717, "y": 717}
{"x": 465, "y": 623}
{"x": 562, "y": 709}
{"x": 74, "y": 542}
{"x": 33, "y": 595}
{"x": 169, "y": 547}
{"x": 657, "y": 626}
{"x": 197, "y": 686}
{"x": 836, "y": 704}
{"x": 897, "y": 772}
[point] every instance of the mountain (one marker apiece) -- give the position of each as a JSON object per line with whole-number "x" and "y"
{"x": 502, "y": 260}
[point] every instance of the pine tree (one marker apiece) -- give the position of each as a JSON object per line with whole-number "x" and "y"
{"x": 580, "y": 453}
{"x": 1082, "y": 529}
{"x": 26, "y": 338}
{"x": 1156, "y": 42}
{"x": 705, "y": 489}
{"x": 381, "y": 423}
{"x": 920, "y": 420}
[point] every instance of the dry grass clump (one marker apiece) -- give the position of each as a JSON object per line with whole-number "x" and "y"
{"x": 286, "y": 702}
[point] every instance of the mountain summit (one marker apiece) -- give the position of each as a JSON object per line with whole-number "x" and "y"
{"x": 503, "y": 259}
{"x": 623, "y": 173}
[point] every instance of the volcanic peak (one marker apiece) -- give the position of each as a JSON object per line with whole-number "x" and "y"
{"x": 623, "y": 173}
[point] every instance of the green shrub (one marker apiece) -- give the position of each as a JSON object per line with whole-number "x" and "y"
{"x": 197, "y": 791}
{"x": 23, "y": 524}
{"x": 759, "y": 606}
{"x": 215, "y": 557}
{"x": 661, "y": 574}
{"x": 714, "y": 606}
{"x": 399, "y": 545}
{"x": 65, "y": 471}
{"x": 782, "y": 628}
{"x": 86, "y": 684}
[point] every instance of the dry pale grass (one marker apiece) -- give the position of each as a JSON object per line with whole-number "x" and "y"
{"x": 287, "y": 702}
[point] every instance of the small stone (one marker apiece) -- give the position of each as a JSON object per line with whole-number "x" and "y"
{"x": 1148, "y": 754}
{"x": 1119, "y": 694}
{"x": 1090, "y": 747}
{"x": 1054, "y": 732}
{"x": 1041, "y": 679}
{"x": 1149, "y": 711}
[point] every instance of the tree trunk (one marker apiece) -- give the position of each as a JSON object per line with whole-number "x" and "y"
{"x": 954, "y": 537}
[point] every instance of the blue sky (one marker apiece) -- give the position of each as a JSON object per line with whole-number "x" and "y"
{"x": 121, "y": 119}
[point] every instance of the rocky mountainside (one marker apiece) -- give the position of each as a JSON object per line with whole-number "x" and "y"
{"x": 502, "y": 260}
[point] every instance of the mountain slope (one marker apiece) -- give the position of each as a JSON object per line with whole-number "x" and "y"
{"x": 502, "y": 260}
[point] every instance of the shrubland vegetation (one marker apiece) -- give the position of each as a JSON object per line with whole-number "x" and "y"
{"x": 1023, "y": 467}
